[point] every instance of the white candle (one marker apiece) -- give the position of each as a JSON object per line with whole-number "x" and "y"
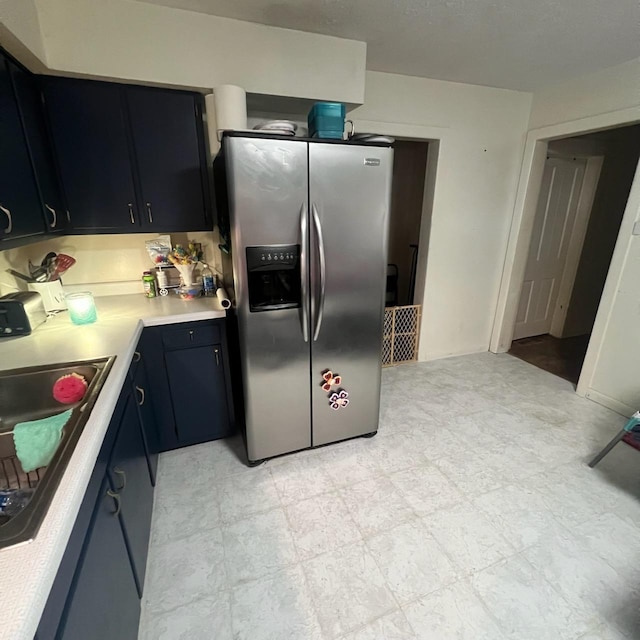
{"x": 82, "y": 308}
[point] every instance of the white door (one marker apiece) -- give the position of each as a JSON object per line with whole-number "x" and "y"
{"x": 552, "y": 230}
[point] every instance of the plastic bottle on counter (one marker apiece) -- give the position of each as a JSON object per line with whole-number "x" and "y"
{"x": 13, "y": 501}
{"x": 149, "y": 283}
{"x": 161, "y": 277}
{"x": 208, "y": 283}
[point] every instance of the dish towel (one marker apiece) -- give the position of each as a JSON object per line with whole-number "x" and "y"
{"x": 37, "y": 441}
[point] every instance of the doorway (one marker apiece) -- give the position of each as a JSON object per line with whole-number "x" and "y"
{"x": 405, "y": 219}
{"x": 584, "y": 190}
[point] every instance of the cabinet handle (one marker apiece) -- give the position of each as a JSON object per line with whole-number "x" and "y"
{"x": 123, "y": 475}
{"x": 191, "y": 335}
{"x": 140, "y": 390}
{"x": 217, "y": 352}
{"x": 133, "y": 220}
{"x": 54, "y": 223}
{"x": 149, "y": 212}
{"x": 10, "y": 225}
{"x": 136, "y": 356}
{"x": 116, "y": 497}
{"x": 68, "y": 216}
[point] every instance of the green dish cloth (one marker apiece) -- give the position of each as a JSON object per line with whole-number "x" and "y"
{"x": 38, "y": 440}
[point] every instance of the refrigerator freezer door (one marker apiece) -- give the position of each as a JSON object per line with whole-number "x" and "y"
{"x": 268, "y": 197}
{"x": 349, "y": 192}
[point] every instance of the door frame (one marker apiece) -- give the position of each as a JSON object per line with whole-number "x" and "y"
{"x": 529, "y": 183}
{"x": 435, "y": 136}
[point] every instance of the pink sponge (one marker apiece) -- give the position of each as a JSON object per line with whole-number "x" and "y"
{"x": 69, "y": 389}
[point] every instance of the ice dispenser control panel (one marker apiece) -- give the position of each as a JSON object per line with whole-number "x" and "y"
{"x": 274, "y": 277}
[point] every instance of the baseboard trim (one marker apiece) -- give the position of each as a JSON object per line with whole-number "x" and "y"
{"x": 610, "y": 403}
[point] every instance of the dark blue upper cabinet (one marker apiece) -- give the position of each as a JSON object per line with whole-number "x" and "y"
{"x": 27, "y": 90}
{"x": 131, "y": 158}
{"x": 168, "y": 142}
{"x": 91, "y": 141}
{"x": 20, "y": 209}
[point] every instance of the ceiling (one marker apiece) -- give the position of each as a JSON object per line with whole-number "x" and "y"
{"x": 515, "y": 44}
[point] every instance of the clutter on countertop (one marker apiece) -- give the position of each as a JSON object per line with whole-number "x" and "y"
{"x": 50, "y": 269}
{"x": 189, "y": 292}
{"x": 70, "y": 388}
{"x": 208, "y": 281}
{"x": 82, "y": 307}
{"x": 190, "y": 255}
{"x": 52, "y": 295}
{"x": 149, "y": 284}
{"x": 185, "y": 260}
{"x": 20, "y": 313}
{"x": 159, "y": 249}
{"x": 36, "y": 441}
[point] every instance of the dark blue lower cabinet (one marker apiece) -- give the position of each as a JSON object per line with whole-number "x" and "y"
{"x": 144, "y": 399}
{"x": 96, "y": 593}
{"x": 129, "y": 477}
{"x": 103, "y": 603}
{"x": 199, "y": 401}
{"x": 187, "y": 365}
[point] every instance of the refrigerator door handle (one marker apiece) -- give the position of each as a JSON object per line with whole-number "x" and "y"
{"x": 320, "y": 240}
{"x": 304, "y": 274}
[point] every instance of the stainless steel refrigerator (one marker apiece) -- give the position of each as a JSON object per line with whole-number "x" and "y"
{"x": 308, "y": 232}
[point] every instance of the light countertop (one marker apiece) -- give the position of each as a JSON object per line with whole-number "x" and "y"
{"x": 27, "y": 571}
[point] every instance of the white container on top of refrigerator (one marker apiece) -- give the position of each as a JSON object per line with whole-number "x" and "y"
{"x": 308, "y": 229}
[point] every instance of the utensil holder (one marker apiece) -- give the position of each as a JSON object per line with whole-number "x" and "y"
{"x": 52, "y": 295}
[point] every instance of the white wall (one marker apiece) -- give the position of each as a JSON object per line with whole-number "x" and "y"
{"x": 482, "y": 133}
{"x": 615, "y": 380}
{"x": 20, "y": 32}
{"x": 608, "y": 90}
{"x": 141, "y": 42}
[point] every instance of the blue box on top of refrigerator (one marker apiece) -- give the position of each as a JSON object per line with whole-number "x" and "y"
{"x": 306, "y": 222}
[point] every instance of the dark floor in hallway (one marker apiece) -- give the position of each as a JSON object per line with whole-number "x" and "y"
{"x": 561, "y": 356}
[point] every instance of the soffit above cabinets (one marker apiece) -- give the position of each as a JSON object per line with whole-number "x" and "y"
{"x": 514, "y": 44}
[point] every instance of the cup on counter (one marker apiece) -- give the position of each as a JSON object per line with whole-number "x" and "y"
{"x": 82, "y": 307}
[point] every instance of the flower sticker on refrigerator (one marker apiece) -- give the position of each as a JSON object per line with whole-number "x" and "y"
{"x": 338, "y": 398}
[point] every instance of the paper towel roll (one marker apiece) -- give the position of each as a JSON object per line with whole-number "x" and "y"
{"x": 212, "y": 123}
{"x": 223, "y": 299}
{"x": 231, "y": 107}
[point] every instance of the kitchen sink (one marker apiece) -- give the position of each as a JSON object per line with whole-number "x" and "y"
{"x": 25, "y": 395}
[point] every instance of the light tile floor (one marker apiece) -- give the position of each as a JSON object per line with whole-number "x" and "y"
{"x": 472, "y": 515}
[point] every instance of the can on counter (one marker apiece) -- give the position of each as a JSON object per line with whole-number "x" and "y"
{"x": 149, "y": 284}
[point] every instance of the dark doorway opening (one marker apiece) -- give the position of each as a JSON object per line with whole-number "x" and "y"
{"x": 560, "y": 346}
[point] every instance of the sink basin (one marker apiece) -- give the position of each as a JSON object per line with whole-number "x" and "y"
{"x": 25, "y": 395}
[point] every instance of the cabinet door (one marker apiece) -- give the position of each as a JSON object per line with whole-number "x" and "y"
{"x": 146, "y": 414}
{"x": 27, "y": 91}
{"x": 90, "y": 137}
{"x": 59, "y": 594}
{"x": 20, "y": 212}
{"x": 168, "y": 139}
{"x": 129, "y": 476}
{"x": 103, "y": 602}
{"x": 198, "y": 391}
